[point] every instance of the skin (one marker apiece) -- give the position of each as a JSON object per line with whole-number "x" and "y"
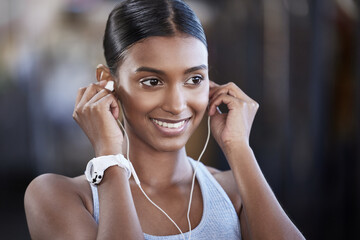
{"x": 159, "y": 157}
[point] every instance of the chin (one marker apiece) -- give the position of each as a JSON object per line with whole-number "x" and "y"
{"x": 172, "y": 145}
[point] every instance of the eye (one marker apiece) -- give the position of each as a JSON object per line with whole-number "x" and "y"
{"x": 151, "y": 82}
{"x": 196, "y": 80}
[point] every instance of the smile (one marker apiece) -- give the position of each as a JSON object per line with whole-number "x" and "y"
{"x": 168, "y": 124}
{"x": 169, "y": 127}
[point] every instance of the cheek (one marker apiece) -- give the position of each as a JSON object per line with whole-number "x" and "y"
{"x": 201, "y": 104}
{"x": 137, "y": 101}
{"x": 200, "y": 100}
{"x": 132, "y": 98}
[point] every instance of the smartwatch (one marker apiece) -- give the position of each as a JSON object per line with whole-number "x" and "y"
{"x": 96, "y": 167}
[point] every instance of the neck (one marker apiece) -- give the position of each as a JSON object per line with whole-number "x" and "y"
{"x": 157, "y": 168}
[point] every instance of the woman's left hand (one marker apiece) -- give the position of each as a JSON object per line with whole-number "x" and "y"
{"x": 232, "y": 128}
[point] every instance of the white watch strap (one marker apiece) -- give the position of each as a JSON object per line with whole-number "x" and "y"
{"x": 96, "y": 167}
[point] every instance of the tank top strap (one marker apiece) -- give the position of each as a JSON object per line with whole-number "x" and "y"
{"x": 219, "y": 220}
{"x": 95, "y": 196}
{"x": 203, "y": 176}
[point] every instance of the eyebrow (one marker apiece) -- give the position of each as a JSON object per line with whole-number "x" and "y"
{"x": 160, "y": 72}
{"x": 193, "y": 69}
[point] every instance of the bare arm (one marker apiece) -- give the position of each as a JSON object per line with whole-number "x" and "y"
{"x": 54, "y": 208}
{"x": 96, "y": 112}
{"x": 261, "y": 215}
{"x": 118, "y": 218}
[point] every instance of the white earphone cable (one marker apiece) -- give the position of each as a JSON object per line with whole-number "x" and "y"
{"x": 192, "y": 185}
{"x": 193, "y": 179}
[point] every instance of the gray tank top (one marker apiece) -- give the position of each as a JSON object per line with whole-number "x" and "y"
{"x": 219, "y": 220}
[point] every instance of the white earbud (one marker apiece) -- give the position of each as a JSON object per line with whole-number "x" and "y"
{"x": 110, "y": 86}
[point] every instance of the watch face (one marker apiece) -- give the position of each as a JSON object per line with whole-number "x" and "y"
{"x": 92, "y": 176}
{"x": 96, "y": 177}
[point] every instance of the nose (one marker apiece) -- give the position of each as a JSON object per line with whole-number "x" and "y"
{"x": 174, "y": 100}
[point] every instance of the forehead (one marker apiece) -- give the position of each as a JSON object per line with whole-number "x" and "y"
{"x": 166, "y": 53}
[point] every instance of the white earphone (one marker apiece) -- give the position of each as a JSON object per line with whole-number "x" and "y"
{"x": 110, "y": 87}
{"x": 192, "y": 185}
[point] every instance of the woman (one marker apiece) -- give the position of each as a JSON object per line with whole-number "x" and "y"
{"x": 156, "y": 54}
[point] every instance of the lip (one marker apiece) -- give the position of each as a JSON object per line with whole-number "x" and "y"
{"x": 171, "y": 120}
{"x": 170, "y": 132}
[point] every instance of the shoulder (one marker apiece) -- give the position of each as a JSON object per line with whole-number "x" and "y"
{"x": 49, "y": 197}
{"x": 53, "y": 189}
{"x": 57, "y": 185}
{"x": 227, "y": 182}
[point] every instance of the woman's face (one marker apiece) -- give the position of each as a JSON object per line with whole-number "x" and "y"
{"x": 163, "y": 86}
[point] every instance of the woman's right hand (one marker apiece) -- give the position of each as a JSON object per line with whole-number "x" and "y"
{"x": 96, "y": 110}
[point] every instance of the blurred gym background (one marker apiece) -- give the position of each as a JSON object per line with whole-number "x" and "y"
{"x": 300, "y": 59}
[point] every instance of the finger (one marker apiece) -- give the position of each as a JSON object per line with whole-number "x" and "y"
{"x": 90, "y": 91}
{"x": 222, "y": 90}
{"x": 102, "y": 83}
{"x": 233, "y": 90}
{"x": 229, "y": 88}
{"x": 103, "y": 92}
{"x": 213, "y": 87}
{"x": 111, "y": 101}
{"x": 213, "y": 84}
{"x": 83, "y": 89}
{"x": 230, "y": 102}
{"x": 79, "y": 95}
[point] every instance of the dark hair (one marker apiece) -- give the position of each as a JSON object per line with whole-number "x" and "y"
{"x": 134, "y": 20}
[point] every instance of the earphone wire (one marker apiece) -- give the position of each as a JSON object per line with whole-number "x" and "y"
{"x": 194, "y": 175}
{"x": 139, "y": 185}
{"x": 192, "y": 185}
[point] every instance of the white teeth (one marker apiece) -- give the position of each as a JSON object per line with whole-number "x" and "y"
{"x": 169, "y": 125}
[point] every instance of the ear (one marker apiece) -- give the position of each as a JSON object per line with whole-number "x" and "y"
{"x": 103, "y": 73}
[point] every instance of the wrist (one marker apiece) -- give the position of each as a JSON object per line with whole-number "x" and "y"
{"x": 107, "y": 149}
{"x": 96, "y": 167}
{"x": 240, "y": 156}
{"x": 229, "y": 147}
{"x": 115, "y": 173}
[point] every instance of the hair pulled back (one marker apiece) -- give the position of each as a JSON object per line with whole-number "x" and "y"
{"x": 134, "y": 20}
